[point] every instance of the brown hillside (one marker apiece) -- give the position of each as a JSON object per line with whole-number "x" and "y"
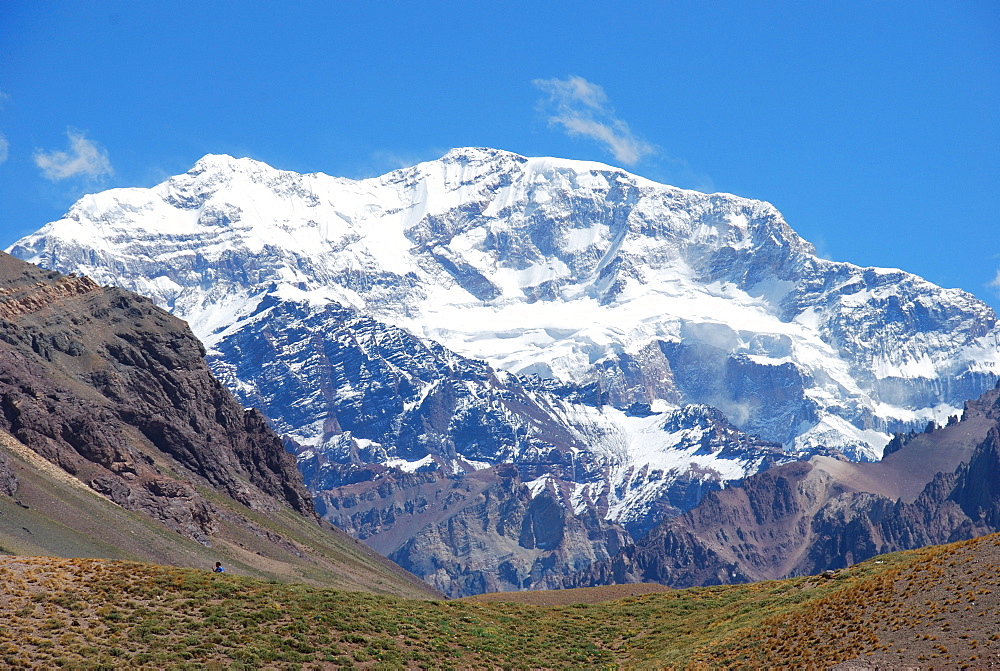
{"x": 116, "y": 441}
{"x": 939, "y": 611}
{"x": 806, "y": 517}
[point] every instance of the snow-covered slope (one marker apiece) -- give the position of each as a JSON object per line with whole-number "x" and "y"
{"x": 565, "y": 269}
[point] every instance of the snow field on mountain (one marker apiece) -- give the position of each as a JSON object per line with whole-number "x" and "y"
{"x": 643, "y": 458}
{"x": 551, "y": 267}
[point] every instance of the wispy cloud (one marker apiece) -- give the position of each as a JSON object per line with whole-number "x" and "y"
{"x": 394, "y": 160}
{"x": 583, "y": 109}
{"x": 4, "y": 143}
{"x": 84, "y": 158}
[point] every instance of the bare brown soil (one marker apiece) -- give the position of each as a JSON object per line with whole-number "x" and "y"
{"x": 939, "y": 610}
{"x": 946, "y": 613}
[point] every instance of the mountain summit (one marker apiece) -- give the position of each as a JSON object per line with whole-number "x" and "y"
{"x": 566, "y": 269}
{"x": 626, "y": 344}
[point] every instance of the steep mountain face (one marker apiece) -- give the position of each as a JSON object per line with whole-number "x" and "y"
{"x": 147, "y": 372}
{"x": 807, "y": 517}
{"x": 106, "y": 400}
{"x": 627, "y": 345}
{"x": 486, "y": 532}
{"x": 401, "y": 416}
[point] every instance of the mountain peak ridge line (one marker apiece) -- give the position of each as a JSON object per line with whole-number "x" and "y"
{"x": 519, "y": 270}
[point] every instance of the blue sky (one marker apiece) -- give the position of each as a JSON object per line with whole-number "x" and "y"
{"x": 873, "y": 126}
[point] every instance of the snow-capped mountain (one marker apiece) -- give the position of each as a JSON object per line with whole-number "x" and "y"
{"x": 626, "y": 343}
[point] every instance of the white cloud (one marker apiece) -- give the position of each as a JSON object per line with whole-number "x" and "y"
{"x": 4, "y": 144}
{"x": 996, "y": 281}
{"x": 84, "y": 157}
{"x": 582, "y": 109}
{"x": 392, "y": 160}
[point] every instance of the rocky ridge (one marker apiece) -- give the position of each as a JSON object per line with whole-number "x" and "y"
{"x": 935, "y": 487}
{"x": 143, "y": 371}
{"x": 107, "y": 399}
{"x": 401, "y": 417}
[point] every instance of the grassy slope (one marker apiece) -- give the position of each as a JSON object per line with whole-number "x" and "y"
{"x": 93, "y": 613}
{"x": 52, "y": 514}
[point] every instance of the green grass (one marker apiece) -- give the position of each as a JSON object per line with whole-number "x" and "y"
{"x": 104, "y": 614}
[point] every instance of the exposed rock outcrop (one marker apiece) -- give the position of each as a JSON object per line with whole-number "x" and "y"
{"x": 8, "y": 480}
{"x": 486, "y": 532}
{"x": 406, "y": 424}
{"x": 85, "y": 371}
{"x": 798, "y": 519}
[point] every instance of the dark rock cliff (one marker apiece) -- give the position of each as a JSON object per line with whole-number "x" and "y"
{"x": 8, "y": 480}
{"x": 405, "y": 436}
{"x": 485, "y": 532}
{"x": 116, "y": 392}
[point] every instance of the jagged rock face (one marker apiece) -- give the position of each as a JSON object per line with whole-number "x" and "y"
{"x": 804, "y": 518}
{"x": 391, "y": 400}
{"x": 89, "y": 374}
{"x": 403, "y": 398}
{"x": 627, "y": 345}
{"x": 954, "y": 506}
{"x": 485, "y": 532}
